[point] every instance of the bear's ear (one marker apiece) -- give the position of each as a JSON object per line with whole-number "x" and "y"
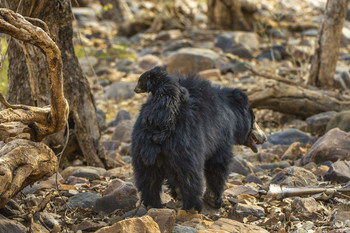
{"x": 157, "y": 70}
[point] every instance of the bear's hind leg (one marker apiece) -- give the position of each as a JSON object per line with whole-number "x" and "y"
{"x": 149, "y": 182}
{"x": 216, "y": 173}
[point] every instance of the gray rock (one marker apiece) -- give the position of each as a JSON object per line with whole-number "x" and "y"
{"x": 228, "y": 40}
{"x": 295, "y": 177}
{"x": 239, "y": 166}
{"x": 83, "y": 200}
{"x": 121, "y": 90}
{"x": 173, "y": 45}
{"x": 101, "y": 119}
{"x": 239, "y": 190}
{"x": 273, "y": 55}
{"x": 124, "y": 197}
{"x": 192, "y": 60}
{"x": 121, "y": 115}
{"x": 339, "y": 171}
{"x": 168, "y": 35}
{"x": 84, "y": 15}
{"x": 184, "y": 229}
{"x": 333, "y": 146}
{"x": 123, "y": 130}
{"x": 305, "y": 206}
{"x": 310, "y": 32}
{"x": 252, "y": 179}
{"x": 124, "y": 64}
{"x": 241, "y": 51}
{"x": 317, "y": 123}
{"x": 244, "y": 210}
{"x": 288, "y": 137}
{"x": 87, "y": 172}
{"x": 340, "y": 120}
{"x": 86, "y": 63}
{"x": 148, "y": 61}
{"x": 11, "y": 226}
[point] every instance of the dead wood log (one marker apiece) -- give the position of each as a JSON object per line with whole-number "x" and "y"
{"x": 44, "y": 121}
{"x": 22, "y": 162}
{"x": 294, "y": 99}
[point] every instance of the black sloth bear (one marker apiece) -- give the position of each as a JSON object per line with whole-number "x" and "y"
{"x": 185, "y": 131}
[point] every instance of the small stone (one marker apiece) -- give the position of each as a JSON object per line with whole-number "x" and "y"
{"x": 47, "y": 183}
{"x": 239, "y": 165}
{"x": 340, "y": 120}
{"x": 184, "y": 216}
{"x": 295, "y": 177}
{"x": 273, "y": 55}
{"x": 123, "y": 131}
{"x": 244, "y": 210}
{"x": 252, "y": 179}
{"x": 88, "y": 173}
{"x": 173, "y": 45}
{"x": 228, "y": 40}
{"x": 113, "y": 185}
{"x": 339, "y": 171}
{"x": 293, "y": 152}
{"x": 148, "y": 61}
{"x": 241, "y": 51}
{"x": 167, "y": 35}
{"x": 310, "y": 32}
{"x": 88, "y": 226}
{"x": 233, "y": 226}
{"x": 101, "y": 119}
{"x": 165, "y": 218}
{"x": 212, "y": 231}
{"x": 321, "y": 170}
{"x": 141, "y": 224}
{"x": 192, "y": 60}
{"x": 288, "y": 137}
{"x": 239, "y": 190}
{"x": 332, "y": 146}
{"x": 83, "y": 200}
{"x": 73, "y": 180}
{"x": 123, "y": 173}
{"x": 184, "y": 229}
{"x": 318, "y": 123}
{"x": 120, "y": 90}
{"x": 305, "y": 206}
{"x": 124, "y": 197}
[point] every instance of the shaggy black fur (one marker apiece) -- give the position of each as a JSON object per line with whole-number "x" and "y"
{"x": 185, "y": 130}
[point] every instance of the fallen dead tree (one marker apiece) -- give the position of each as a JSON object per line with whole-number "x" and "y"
{"x": 23, "y": 159}
{"x": 296, "y": 100}
{"x": 286, "y": 96}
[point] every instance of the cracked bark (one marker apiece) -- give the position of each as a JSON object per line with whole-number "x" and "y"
{"x": 58, "y": 17}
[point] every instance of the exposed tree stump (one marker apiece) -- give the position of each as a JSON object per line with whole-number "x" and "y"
{"x": 22, "y": 162}
{"x": 328, "y": 43}
{"x": 231, "y": 14}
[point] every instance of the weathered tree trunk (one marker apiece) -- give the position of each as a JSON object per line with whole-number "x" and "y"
{"x": 22, "y": 162}
{"x": 326, "y": 52}
{"x": 58, "y": 17}
{"x": 292, "y": 99}
{"x": 231, "y": 14}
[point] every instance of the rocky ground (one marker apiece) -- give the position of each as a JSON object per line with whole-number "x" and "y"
{"x": 299, "y": 181}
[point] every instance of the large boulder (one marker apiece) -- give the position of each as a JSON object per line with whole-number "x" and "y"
{"x": 192, "y": 60}
{"x": 333, "y": 146}
{"x": 341, "y": 120}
